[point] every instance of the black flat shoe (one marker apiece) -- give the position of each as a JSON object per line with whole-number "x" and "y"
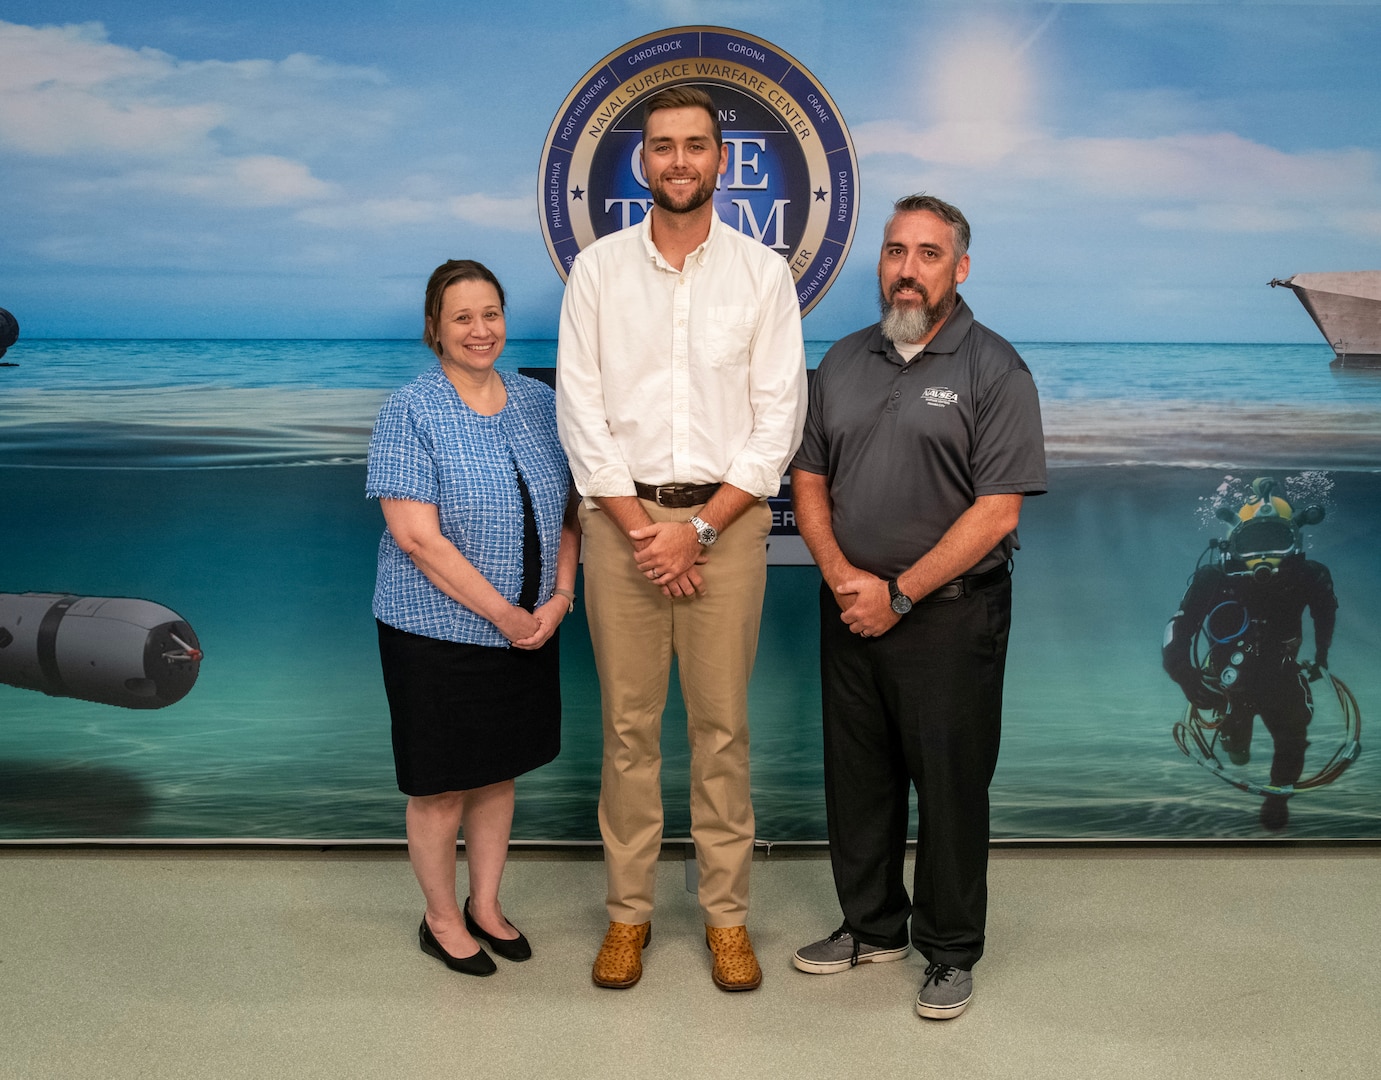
{"x": 509, "y": 948}
{"x": 478, "y": 964}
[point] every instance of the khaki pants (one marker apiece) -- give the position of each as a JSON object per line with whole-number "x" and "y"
{"x": 635, "y": 630}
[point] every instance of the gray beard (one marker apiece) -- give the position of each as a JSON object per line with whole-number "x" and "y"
{"x": 909, "y": 324}
{"x": 906, "y": 324}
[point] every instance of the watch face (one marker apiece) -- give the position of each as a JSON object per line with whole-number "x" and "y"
{"x": 901, "y": 603}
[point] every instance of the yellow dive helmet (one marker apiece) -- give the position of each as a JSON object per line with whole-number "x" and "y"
{"x": 1264, "y": 531}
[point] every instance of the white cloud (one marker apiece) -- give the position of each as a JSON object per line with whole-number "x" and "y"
{"x": 509, "y": 212}
{"x": 713, "y": 12}
{"x": 963, "y": 144}
{"x": 65, "y": 89}
{"x": 513, "y": 213}
{"x": 74, "y": 56}
{"x": 104, "y": 122}
{"x": 373, "y": 214}
{"x": 983, "y": 95}
{"x": 1200, "y": 166}
{"x": 260, "y": 180}
{"x": 232, "y": 133}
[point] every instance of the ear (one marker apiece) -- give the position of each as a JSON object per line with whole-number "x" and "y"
{"x": 961, "y": 272}
{"x": 723, "y": 158}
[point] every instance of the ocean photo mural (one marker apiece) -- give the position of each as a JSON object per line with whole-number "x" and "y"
{"x": 235, "y": 499}
{"x": 216, "y": 293}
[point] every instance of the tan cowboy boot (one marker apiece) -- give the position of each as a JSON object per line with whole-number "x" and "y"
{"x": 620, "y": 961}
{"x": 735, "y": 966}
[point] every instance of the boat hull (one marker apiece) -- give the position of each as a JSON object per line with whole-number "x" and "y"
{"x": 1346, "y": 307}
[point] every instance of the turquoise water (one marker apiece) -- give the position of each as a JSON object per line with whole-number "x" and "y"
{"x": 1082, "y": 371}
{"x": 224, "y": 480}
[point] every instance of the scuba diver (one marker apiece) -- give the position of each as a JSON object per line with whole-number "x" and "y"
{"x": 1246, "y": 605}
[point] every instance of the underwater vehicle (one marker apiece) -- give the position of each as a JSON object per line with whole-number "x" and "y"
{"x": 9, "y": 334}
{"x": 1346, "y": 307}
{"x": 113, "y": 650}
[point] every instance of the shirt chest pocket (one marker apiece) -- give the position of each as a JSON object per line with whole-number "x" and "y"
{"x": 728, "y": 334}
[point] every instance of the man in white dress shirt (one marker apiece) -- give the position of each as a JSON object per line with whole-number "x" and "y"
{"x": 680, "y": 400}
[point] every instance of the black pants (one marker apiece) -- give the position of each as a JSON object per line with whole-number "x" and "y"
{"x": 922, "y": 705}
{"x": 1285, "y": 705}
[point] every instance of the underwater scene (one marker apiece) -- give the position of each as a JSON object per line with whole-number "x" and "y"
{"x": 221, "y": 483}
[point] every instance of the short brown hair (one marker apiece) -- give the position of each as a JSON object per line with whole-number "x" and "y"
{"x": 683, "y": 97}
{"x": 443, "y": 277}
{"x": 951, "y": 215}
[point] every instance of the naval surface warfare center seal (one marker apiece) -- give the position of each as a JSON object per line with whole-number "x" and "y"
{"x": 792, "y": 177}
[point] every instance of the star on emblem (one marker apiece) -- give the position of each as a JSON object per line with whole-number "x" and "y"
{"x": 820, "y": 195}
{"x": 577, "y": 193}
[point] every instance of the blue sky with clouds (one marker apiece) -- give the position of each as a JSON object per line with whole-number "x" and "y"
{"x": 1133, "y": 172}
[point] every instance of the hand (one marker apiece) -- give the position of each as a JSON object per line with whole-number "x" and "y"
{"x": 517, "y": 625}
{"x": 548, "y": 616}
{"x": 665, "y": 551}
{"x": 688, "y": 585}
{"x": 867, "y": 605}
{"x": 1202, "y": 696}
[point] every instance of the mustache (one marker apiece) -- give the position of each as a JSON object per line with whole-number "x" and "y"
{"x": 908, "y": 283}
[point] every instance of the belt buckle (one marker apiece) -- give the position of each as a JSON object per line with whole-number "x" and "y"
{"x": 670, "y": 490}
{"x": 950, "y": 590}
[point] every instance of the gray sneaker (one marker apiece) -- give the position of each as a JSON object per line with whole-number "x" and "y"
{"x": 945, "y": 992}
{"x": 841, "y": 951}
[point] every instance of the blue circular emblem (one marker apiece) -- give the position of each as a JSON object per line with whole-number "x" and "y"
{"x": 792, "y": 181}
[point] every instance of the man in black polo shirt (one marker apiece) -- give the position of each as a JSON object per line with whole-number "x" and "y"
{"x": 922, "y": 438}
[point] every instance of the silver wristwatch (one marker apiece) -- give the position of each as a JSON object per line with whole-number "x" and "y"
{"x": 704, "y": 531}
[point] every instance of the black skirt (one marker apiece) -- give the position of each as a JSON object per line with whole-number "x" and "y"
{"x": 468, "y": 715}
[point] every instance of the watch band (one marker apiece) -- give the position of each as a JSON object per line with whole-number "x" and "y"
{"x": 706, "y": 533}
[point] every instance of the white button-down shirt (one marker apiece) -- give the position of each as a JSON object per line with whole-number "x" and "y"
{"x": 679, "y": 377}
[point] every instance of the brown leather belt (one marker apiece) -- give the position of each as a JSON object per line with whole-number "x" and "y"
{"x": 962, "y": 586}
{"x": 675, "y": 495}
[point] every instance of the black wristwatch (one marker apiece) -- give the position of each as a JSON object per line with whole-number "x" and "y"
{"x": 901, "y": 603}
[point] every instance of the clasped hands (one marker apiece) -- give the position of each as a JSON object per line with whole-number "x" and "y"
{"x": 533, "y": 629}
{"x": 667, "y": 553}
{"x": 865, "y": 604}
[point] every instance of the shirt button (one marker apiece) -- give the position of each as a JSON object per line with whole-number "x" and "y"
{"x": 896, "y": 393}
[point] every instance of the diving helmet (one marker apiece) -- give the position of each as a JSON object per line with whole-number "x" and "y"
{"x": 1265, "y": 531}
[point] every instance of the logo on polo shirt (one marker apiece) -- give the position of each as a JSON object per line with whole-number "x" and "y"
{"x": 792, "y": 177}
{"x": 939, "y": 396}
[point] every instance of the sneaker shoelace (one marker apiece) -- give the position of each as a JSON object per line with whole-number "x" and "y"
{"x": 840, "y": 935}
{"x": 937, "y": 974}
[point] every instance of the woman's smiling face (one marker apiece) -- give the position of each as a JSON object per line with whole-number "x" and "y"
{"x": 470, "y": 334}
